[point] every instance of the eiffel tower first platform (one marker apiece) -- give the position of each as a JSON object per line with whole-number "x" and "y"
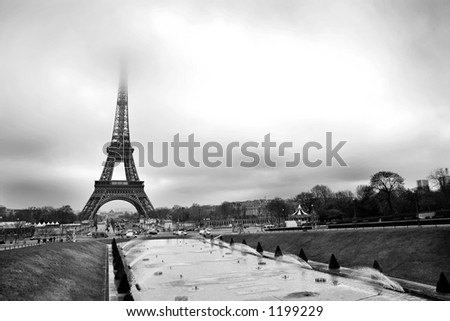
{"x": 130, "y": 190}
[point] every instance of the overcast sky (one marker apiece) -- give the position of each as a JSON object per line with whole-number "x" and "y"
{"x": 374, "y": 73}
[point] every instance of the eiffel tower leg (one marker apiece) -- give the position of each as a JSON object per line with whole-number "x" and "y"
{"x": 142, "y": 204}
{"x": 89, "y": 209}
{"x": 108, "y": 168}
{"x": 146, "y": 204}
{"x": 130, "y": 167}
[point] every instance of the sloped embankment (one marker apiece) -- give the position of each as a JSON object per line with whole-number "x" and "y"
{"x": 56, "y": 271}
{"x": 415, "y": 254}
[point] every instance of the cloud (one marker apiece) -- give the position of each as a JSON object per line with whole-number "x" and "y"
{"x": 373, "y": 73}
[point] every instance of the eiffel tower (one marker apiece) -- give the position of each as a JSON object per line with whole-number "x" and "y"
{"x": 130, "y": 190}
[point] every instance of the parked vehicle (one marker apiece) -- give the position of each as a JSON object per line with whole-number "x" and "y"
{"x": 204, "y": 232}
{"x": 98, "y": 234}
{"x": 130, "y": 234}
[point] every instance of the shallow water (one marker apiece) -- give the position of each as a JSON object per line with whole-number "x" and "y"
{"x": 211, "y": 271}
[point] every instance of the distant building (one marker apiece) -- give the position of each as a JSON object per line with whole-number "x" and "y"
{"x": 101, "y": 226}
{"x": 11, "y": 225}
{"x": 423, "y": 185}
{"x": 147, "y": 223}
{"x": 3, "y": 212}
{"x": 445, "y": 180}
{"x": 168, "y": 225}
{"x": 255, "y": 208}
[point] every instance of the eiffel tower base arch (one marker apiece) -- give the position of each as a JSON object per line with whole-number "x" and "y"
{"x": 107, "y": 191}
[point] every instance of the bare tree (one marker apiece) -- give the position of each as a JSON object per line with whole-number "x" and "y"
{"x": 18, "y": 230}
{"x": 306, "y": 199}
{"x": 322, "y": 193}
{"x": 278, "y": 208}
{"x": 387, "y": 183}
{"x": 439, "y": 179}
{"x": 364, "y": 192}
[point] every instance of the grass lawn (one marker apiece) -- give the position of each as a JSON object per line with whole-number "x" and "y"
{"x": 55, "y": 271}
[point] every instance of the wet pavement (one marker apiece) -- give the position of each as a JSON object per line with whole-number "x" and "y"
{"x": 201, "y": 270}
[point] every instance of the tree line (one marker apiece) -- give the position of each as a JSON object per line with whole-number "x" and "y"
{"x": 383, "y": 195}
{"x": 63, "y": 214}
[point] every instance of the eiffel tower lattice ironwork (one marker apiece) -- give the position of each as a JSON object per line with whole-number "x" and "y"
{"x": 120, "y": 150}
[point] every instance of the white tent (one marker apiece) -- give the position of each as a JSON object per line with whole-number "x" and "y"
{"x": 300, "y": 213}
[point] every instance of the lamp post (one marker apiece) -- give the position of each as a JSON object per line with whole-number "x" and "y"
{"x": 417, "y": 207}
{"x": 354, "y": 213}
{"x": 18, "y": 231}
{"x": 62, "y": 227}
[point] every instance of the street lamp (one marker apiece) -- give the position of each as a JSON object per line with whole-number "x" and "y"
{"x": 417, "y": 207}
{"x": 18, "y": 230}
{"x": 62, "y": 228}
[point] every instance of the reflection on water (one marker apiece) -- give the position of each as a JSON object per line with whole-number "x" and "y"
{"x": 212, "y": 270}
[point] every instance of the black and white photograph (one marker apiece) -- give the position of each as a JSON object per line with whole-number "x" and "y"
{"x": 292, "y": 152}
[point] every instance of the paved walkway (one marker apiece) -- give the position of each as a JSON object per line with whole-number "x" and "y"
{"x": 18, "y": 245}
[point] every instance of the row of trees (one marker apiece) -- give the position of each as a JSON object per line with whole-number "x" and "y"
{"x": 63, "y": 214}
{"x": 384, "y": 195}
{"x": 195, "y": 213}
